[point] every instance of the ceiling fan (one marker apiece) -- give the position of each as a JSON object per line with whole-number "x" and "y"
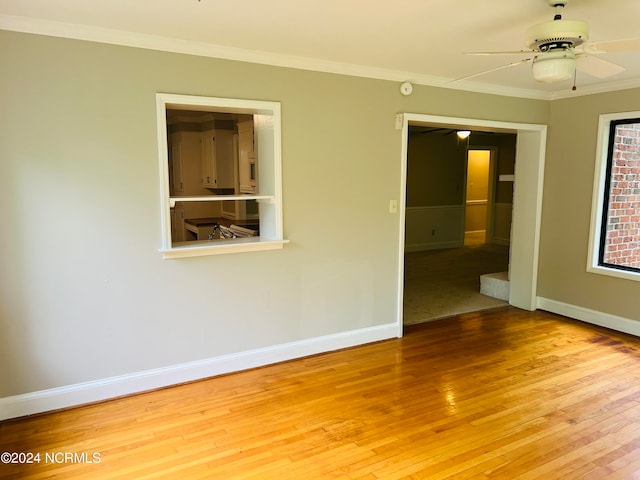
{"x": 558, "y": 47}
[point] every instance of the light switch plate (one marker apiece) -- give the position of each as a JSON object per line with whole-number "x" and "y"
{"x": 393, "y": 206}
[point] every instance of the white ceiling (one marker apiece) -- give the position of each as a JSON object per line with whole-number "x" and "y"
{"x": 422, "y": 41}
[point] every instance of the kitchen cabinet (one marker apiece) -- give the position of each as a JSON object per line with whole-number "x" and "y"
{"x": 176, "y": 182}
{"x": 185, "y": 159}
{"x": 247, "y": 164}
{"x": 177, "y": 224}
{"x": 209, "y": 159}
{"x": 218, "y": 163}
{"x": 245, "y": 181}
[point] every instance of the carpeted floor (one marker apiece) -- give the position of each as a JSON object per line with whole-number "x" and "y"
{"x": 441, "y": 283}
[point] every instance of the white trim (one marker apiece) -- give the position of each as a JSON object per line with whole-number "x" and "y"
{"x": 402, "y": 122}
{"x": 614, "y": 272}
{"x": 614, "y": 322}
{"x": 97, "y": 390}
{"x": 268, "y": 119}
{"x": 597, "y": 198}
{"x": 223, "y": 198}
{"x": 472, "y": 123}
{"x": 527, "y": 216}
{"x": 237, "y": 245}
{"x": 594, "y": 89}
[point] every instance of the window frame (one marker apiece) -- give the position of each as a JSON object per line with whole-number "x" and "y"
{"x": 268, "y": 145}
{"x": 600, "y": 203}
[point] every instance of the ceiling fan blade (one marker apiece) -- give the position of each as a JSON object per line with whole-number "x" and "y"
{"x": 611, "y": 46}
{"x": 514, "y": 52}
{"x": 597, "y": 67}
{"x": 513, "y": 64}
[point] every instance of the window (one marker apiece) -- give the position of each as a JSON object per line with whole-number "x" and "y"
{"x": 220, "y": 179}
{"x": 615, "y": 224}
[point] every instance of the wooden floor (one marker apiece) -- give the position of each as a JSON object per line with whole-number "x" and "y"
{"x": 500, "y": 394}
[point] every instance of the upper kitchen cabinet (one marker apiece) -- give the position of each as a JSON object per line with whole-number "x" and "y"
{"x": 218, "y": 159}
{"x": 184, "y": 172}
{"x": 247, "y": 161}
{"x": 201, "y": 152}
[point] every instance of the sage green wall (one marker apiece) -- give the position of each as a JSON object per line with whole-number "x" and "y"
{"x": 566, "y": 213}
{"x": 84, "y": 293}
{"x": 435, "y": 169}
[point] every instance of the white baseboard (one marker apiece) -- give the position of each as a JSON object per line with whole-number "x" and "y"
{"x": 620, "y": 324}
{"x": 93, "y": 391}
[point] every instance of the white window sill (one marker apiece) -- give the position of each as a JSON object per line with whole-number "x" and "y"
{"x": 614, "y": 272}
{"x": 217, "y": 247}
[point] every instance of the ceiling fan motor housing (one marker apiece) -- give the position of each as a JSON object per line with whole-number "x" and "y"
{"x": 557, "y": 34}
{"x": 555, "y": 41}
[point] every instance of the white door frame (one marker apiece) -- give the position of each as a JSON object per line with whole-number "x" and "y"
{"x": 527, "y": 201}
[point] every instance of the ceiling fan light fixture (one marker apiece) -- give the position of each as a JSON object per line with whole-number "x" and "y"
{"x": 554, "y": 66}
{"x": 462, "y": 134}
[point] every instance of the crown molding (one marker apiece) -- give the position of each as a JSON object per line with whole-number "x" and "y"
{"x": 593, "y": 89}
{"x": 174, "y": 45}
{"x": 495, "y": 89}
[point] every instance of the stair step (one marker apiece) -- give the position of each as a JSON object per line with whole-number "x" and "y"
{"x": 495, "y": 285}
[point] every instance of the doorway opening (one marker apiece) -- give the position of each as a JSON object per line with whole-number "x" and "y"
{"x": 522, "y": 234}
{"x": 450, "y": 247}
{"x": 478, "y": 201}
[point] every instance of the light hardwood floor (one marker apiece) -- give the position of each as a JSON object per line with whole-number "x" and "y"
{"x": 498, "y": 394}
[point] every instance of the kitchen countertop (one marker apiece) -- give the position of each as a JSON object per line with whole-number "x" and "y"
{"x": 210, "y": 221}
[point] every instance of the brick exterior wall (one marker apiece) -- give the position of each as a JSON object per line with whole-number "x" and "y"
{"x": 622, "y": 242}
